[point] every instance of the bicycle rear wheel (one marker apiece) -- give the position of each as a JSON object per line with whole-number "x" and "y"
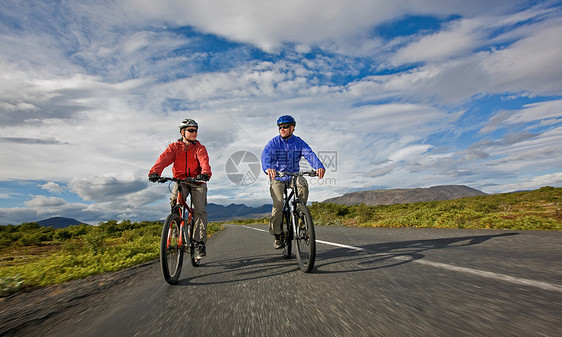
{"x": 305, "y": 239}
{"x": 171, "y": 252}
{"x": 287, "y": 233}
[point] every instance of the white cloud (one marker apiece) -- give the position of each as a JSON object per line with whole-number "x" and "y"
{"x": 531, "y": 64}
{"x": 465, "y": 35}
{"x": 270, "y": 24}
{"x": 52, "y": 187}
{"x": 103, "y": 188}
{"x": 537, "y": 112}
{"x": 409, "y": 153}
{"x": 540, "y": 113}
{"x": 39, "y": 201}
{"x": 415, "y": 119}
{"x": 461, "y": 37}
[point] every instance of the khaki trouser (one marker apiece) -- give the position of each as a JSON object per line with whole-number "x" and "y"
{"x": 276, "y": 189}
{"x": 199, "y": 199}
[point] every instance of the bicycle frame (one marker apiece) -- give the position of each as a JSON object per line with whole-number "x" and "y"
{"x": 291, "y": 201}
{"x": 184, "y": 211}
{"x": 183, "y": 208}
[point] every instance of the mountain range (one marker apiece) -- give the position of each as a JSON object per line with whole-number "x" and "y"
{"x": 236, "y": 211}
{"x": 372, "y": 198}
{"x": 215, "y": 213}
{"x": 405, "y": 196}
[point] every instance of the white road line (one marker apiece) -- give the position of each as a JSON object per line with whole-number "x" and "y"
{"x": 477, "y": 272}
{"x": 494, "y": 276}
{"x": 340, "y": 245}
{"x": 254, "y": 228}
{"x": 320, "y": 241}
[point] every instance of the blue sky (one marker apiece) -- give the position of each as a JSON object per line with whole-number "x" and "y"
{"x": 394, "y": 94}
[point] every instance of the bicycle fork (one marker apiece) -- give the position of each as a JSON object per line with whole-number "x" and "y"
{"x": 184, "y": 234}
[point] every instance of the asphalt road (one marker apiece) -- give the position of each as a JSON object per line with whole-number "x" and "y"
{"x": 381, "y": 282}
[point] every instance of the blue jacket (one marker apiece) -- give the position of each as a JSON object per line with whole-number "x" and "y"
{"x": 284, "y": 155}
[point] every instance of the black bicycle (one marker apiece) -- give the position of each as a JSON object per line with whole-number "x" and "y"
{"x": 297, "y": 224}
{"x": 177, "y": 235}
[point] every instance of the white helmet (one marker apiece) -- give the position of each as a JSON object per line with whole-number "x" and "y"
{"x": 188, "y": 122}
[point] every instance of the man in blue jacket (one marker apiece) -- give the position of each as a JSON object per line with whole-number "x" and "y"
{"x": 282, "y": 154}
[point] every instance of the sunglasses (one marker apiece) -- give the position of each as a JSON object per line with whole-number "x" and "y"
{"x": 284, "y": 127}
{"x": 191, "y": 130}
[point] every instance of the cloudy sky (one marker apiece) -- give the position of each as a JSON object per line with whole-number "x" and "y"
{"x": 392, "y": 94}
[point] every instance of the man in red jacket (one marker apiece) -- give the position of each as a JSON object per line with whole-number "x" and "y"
{"x": 190, "y": 159}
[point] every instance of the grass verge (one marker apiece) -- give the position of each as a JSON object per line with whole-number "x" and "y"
{"x": 32, "y": 256}
{"x": 531, "y": 210}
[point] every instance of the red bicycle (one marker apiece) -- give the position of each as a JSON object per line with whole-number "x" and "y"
{"x": 177, "y": 235}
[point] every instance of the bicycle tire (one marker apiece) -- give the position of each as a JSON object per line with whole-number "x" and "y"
{"x": 194, "y": 262}
{"x": 305, "y": 240}
{"x": 287, "y": 234}
{"x": 171, "y": 253}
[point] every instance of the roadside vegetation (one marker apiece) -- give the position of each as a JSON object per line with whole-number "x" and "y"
{"x": 532, "y": 210}
{"x": 32, "y": 256}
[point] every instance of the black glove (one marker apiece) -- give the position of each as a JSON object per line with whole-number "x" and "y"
{"x": 153, "y": 177}
{"x": 203, "y": 177}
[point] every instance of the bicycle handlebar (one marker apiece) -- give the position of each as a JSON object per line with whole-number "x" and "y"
{"x": 187, "y": 180}
{"x": 304, "y": 173}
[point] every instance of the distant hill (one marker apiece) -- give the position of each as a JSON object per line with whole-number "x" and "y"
{"x": 58, "y": 222}
{"x": 236, "y": 211}
{"x": 214, "y": 212}
{"x": 405, "y": 196}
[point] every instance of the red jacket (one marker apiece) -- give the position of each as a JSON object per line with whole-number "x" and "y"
{"x": 189, "y": 160}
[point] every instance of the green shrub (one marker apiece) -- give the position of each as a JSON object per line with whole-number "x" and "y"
{"x": 78, "y": 230}
{"x": 62, "y": 235}
{"x": 94, "y": 239}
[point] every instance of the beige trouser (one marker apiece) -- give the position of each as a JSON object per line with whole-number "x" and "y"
{"x": 199, "y": 199}
{"x": 276, "y": 189}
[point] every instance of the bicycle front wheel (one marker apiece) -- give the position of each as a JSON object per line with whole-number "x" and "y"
{"x": 171, "y": 251}
{"x": 287, "y": 239}
{"x": 305, "y": 239}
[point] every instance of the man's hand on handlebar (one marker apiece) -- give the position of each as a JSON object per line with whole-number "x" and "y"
{"x": 153, "y": 177}
{"x": 318, "y": 173}
{"x": 271, "y": 173}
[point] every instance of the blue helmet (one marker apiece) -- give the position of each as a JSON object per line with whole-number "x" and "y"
{"x": 286, "y": 119}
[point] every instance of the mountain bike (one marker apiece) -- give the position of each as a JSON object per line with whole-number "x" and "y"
{"x": 177, "y": 235}
{"x": 297, "y": 224}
